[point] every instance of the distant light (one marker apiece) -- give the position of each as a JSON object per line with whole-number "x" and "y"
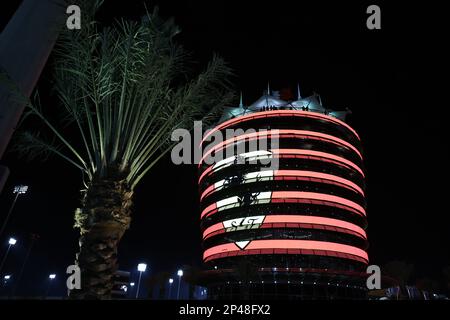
{"x": 274, "y": 269}
{"x": 275, "y": 282}
{"x": 12, "y": 241}
{"x": 52, "y": 276}
{"x": 289, "y": 281}
{"x": 20, "y": 189}
{"x": 124, "y": 288}
{"x": 215, "y": 267}
{"x": 7, "y": 277}
{"x": 131, "y": 284}
{"x": 180, "y": 273}
{"x": 170, "y": 281}
{"x": 142, "y": 267}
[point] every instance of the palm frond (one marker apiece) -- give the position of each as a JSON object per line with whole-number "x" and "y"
{"x": 123, "y": 88}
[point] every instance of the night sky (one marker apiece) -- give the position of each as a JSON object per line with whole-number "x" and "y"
{"x": 389, "y": 78}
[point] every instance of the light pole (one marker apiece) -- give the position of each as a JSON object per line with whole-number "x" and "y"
{"x": 34, "y": 237}
{"x": 11, "y": 242}
{"x": 51, "y": 277}
{"x": 18, "y": 190}
{"x": 141, "y": 268}
{"x": 6, "y": 278}
{"x": 131, "y": 287}
{"x": 179, "y": 274}
{"x": 170, "y": 288}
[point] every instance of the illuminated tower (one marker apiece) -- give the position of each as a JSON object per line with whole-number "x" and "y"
{"x": 296, "y": 232}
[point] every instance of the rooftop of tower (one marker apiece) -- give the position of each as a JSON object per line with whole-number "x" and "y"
{"x": 270, "y": 100}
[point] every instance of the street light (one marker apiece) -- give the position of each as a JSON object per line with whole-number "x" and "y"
{"x": 34, "y": 237}
{"x": 141, "y": 268}
{"x": 11, "y": 242}
{"x": 51, "y": 277}
{"x": 18, "y": 190}
{"x": 179, "y": 274}
{"x": 170, "y": 288}
{"x": 6, "y": 278}
{"x": 131, "y": 288}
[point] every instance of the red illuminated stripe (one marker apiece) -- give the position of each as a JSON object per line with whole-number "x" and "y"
{"x": 209, "y": 208}
{"x": 318, "y": 154}
{"x": 302, "y": 175}
{"x": 297, "y": 219}
{"x": 207, "y": 191}
{"x": 206, "y": 172}
{"x": 281, "y": 133}
{"x": 287, "y": 247}
{"x": 279, "y": 113}
{"x": 303, "y": 197}
{"x": 307, "y": 154}
{"x": 317, "y": 196}
{"x": 319, "y": 175}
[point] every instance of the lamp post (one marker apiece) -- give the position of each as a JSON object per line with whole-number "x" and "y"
{"x": 141, "y": 268}
{"x": 51, "y": 277}
{"x": 18, "y": 190}
{"x": 34, "y": 237}
{"x": 179, "y": 274}
{"x": 131, "y": 288}
{"x": 11, "y": 242}
{"x": 170, "y": 288}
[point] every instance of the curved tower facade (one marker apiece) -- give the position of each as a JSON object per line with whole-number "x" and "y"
{"x": 294, "y": 231}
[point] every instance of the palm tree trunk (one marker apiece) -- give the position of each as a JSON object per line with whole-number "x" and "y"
{"x": 103, "y": 219}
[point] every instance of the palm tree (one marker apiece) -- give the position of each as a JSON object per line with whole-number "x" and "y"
{"x": 124, "y": 89}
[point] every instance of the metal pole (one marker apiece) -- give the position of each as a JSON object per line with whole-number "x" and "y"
{"x": 4, "y": 258}
{"x": 139, "y": 284}
{"x": 19, "y": 277}
{"x": 48, "y": 288}
{"x": 178, "y": 291}
{"x": 9, "y": 213}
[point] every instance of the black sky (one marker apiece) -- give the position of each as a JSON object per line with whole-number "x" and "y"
{"x": 391, "y": 79}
